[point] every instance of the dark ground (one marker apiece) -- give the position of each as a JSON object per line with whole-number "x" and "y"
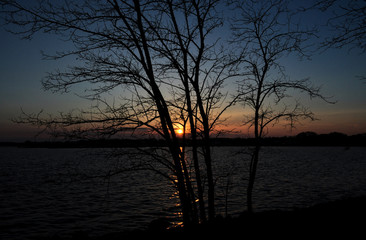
{"x": 342, "y": 219}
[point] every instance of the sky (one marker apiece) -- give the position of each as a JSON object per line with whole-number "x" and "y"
{"x": 22, "y": 68}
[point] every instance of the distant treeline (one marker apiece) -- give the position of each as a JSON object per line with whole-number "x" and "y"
{"x": 302, "y": 139}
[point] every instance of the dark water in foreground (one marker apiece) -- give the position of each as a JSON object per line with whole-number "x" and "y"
{"x": 47, "y": 192}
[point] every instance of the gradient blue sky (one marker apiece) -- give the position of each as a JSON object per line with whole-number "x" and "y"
{"x": 22, "y": 68}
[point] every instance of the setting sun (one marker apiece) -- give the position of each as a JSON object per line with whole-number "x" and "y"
{"x": 180, "y": 131}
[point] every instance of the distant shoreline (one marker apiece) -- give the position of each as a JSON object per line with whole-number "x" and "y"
{"x": 302, "y": 139}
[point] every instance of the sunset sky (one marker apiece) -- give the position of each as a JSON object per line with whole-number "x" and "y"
{"x": 22, "y": 68}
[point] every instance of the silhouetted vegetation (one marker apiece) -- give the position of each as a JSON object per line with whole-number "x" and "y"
{"x": 332, "y": 219}
{"x": 169, "y": 63}
{"x": 265, "y": 32}
{"x": 165, "y": 73}
{"x": 302, "y": 139}
{"x": 347, "y": 23}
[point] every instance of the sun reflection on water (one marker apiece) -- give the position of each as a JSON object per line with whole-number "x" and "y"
{"x": 177, "y": 216}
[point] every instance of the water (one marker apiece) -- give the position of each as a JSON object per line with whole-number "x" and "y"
{"x": 55, "y": 192}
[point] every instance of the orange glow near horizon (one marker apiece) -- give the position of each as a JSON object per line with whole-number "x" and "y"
{"x": 179, "y": 131}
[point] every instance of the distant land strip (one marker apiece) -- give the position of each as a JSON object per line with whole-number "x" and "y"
{"x": 302, "y": 139}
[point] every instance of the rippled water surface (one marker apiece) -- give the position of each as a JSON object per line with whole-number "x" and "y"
{"x": 56, "y": 192}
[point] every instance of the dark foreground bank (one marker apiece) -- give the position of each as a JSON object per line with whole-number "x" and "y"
{"x": 343, "y": 218}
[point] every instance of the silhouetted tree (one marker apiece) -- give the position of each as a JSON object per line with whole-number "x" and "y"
{"x": 346, "y": 23}
{"x": 158, "y": 52}
{"x": 265, "y": 33}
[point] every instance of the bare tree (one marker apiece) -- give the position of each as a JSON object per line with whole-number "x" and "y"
{"x": 265, "y": 32}
{"x": 346, "y": 23}
{"x": 158, "y": 52}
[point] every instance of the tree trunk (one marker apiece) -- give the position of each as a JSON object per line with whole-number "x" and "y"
{"x": 207, "y": 156}
{"x": 198, "y": 174}
{"x": 190, "y": 192}
{"x": 252, "y": 174}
